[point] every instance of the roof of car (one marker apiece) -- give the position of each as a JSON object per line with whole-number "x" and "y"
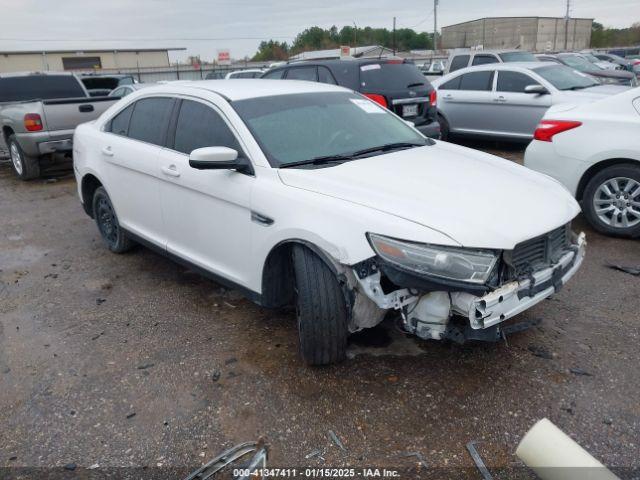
{"x": 35, "y": 73}
{"x": 241, "y": 89}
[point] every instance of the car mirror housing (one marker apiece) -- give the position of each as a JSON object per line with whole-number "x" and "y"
{"x": 536, "y": 89}
{"x": 214, "y": 158}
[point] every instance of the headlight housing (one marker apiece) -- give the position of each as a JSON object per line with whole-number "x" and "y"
{"x": 458, "y": 264}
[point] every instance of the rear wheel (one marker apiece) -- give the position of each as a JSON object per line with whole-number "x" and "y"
{"x": 115, "y": 237}
{"x": 321, "y": 310}
{"x": 612, "y": 201}
{"x": 24, "y": 166}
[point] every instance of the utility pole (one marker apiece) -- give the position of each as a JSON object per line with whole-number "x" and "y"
{"x": 394, "y": 36}
{"x": 355, "y": 34}
{"x": 566, "y": 26}
{"x": 435, "y": 26}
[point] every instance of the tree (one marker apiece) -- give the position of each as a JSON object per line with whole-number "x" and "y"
{"x": 271, "y": 50}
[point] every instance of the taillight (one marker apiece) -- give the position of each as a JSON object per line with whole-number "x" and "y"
{"x": 547, "y": 129}
{"x": 395, "y": 61}
{"x": 433, "y": 98}
{"x": 377, "y": 98}
{"x": 32, "y": 122}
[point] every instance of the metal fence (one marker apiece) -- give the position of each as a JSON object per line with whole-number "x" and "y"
{"x": 176, "y": 72}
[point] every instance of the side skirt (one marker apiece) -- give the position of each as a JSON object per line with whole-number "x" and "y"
{"x": 248, "y": 293}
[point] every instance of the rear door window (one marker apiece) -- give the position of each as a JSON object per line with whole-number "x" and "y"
{"x": 514, "y": 81}
{"x": 458, "y": 62}
{"x": 40, "y": 87}
{"x": 453, "y": 84}
{"x": 149, "y": 120}
{"x": 303, "y": 73}
{"x": 276, "y": 74}
{"x": 484, "y": 59}
{"x": 325, "y": 76}
{"x": 200, "y": 126}
{"x": 476, "y": 81}
{"x": 120, "y": 123}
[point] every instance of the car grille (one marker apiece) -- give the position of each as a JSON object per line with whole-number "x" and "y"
{"x": 541, "y": 251}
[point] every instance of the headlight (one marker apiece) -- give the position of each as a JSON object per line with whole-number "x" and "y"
{"x": 461, "y": 264}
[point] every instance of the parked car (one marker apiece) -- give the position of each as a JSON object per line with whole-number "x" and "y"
{"x": 395, "y": 84}
{"x": 508, "y": 100}
{"x": 125, "y": 90}
{"x": 609, "y": 57}
{"x": 249, "y": 73}
{"x": 604, "y": 64}
{"x": 435, "y": 67}
{"x": 38, "y": 113}
{"x": 216, "y": 75}
{"x": 102, "y": 85}
{"x": 312, "y": 194}
{"x": 577, "y": 62}
{"x": 469, "y": 58}
{"x": 594, "y": 151}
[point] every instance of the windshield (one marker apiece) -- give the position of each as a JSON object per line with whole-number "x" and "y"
{"x": 302, "y": 127}
{"x": 579, "y": 63}
{"x": 591, "y": 58}
{"x": 565, "y": 78}
{"x": 518, "y": 57}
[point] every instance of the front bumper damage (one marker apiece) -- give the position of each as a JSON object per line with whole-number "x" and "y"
{"x": 436, "y": 314}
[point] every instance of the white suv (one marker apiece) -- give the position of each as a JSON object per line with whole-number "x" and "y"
{"x": 299, "y": 192}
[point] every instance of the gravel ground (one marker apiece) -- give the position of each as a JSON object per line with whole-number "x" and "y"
{"x": 111, "y": 361}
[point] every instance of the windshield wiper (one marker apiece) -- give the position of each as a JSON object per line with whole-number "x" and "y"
{"x": 387, "y": 148}
{"x": 318, "y": 161}
{"x": 580, "y": 87}
{"x": 415, "y": 84}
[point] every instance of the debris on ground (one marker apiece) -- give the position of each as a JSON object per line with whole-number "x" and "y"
{"x": 215, "y": 376}
{"x": 579, "y": 371}
{"x": 540, "y": 352}
{"x": 315, "y": 453}
{"x": 70, "y": 466}
{"x": 421, "y": 460}
{"x": 622, "y": 268}
{"x": 131, "y": 415}
{"x": 209, "y": 469}
{"x": 336, "y": 440}
{"x": 477, "y": 459}
{"x": 145, "y": 366}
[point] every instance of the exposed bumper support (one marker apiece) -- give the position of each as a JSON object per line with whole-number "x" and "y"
{"x": 516, "y": 297}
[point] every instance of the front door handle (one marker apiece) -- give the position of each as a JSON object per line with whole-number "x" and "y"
{"x": 106, "y": 151}
{"x": 500, "y": 99}
{"x": 448, "y": 97}
{"x": 171, "y": 170}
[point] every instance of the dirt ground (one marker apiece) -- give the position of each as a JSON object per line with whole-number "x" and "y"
{"x": 110, "y": 361}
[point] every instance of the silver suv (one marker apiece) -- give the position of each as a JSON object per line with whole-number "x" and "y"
{"x": 470, "y": 58}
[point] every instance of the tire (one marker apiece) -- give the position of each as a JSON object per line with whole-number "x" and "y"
{"x": 24, "y": 166}
{"x": 321, "y": 310}
{"x": 106, "y": 219}
{"x": 611, "y": 201}
{"x": 444, "y": 128}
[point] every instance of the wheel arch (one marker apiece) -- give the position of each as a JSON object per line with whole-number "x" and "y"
{"x": 90, "y": 183}
{"x": 7, "y": 131}
{"x": 277, "y": 272}
{"x": 593, "y": 170}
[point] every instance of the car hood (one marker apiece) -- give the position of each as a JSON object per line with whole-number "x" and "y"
{"x": 476, "y": 199}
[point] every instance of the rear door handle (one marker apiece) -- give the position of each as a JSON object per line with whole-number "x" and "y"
{"x": 106, "y": 151}
{"x": 448, "y": 97}
{"x": 86, "y": 108}
{"x": 171, "y": 170}
{"x": 500, "y": 99}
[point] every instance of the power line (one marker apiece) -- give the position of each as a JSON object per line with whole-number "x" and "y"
{"x": 159, "y": 39}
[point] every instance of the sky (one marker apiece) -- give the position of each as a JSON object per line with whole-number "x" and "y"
{"x": 206, "y": 26}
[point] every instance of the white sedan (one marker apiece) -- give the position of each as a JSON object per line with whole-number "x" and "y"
{"x": 305, "y": 193}
{"x": 594, "y": 150}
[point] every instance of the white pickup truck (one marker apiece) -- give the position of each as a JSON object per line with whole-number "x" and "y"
{"x": 39, "y": 113}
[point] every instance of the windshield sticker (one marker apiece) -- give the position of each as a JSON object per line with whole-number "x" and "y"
{"x": 375, "y": 66}
{"x": 367, "y": 105}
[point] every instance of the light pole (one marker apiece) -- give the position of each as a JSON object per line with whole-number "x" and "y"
{"x": 435, "y": 26}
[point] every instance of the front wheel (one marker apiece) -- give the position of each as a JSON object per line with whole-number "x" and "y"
{"x": 612, "y": 201}
{"x": 107, "y": 221}
{"x": 24, "y": 166}
{"x": 321, "y": 310}
{"x": 444, "y": 128}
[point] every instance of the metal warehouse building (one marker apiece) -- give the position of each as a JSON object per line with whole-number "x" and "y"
{"x": 537, "y": 34}
{"x": 57, "y": 60}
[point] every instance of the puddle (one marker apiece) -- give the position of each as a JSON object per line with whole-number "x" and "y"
{"x": 384, "y": 340}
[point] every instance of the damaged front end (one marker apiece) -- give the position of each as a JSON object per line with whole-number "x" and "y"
{"x": 459, "y": 293}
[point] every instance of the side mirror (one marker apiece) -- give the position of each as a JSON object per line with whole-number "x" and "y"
{"x": 536, "y": 89}
{"x": 214, "y": 158}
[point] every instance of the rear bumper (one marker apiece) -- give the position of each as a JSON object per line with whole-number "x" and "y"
{"x": 42, "y": 143}
{"x": 431, "y": 130}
